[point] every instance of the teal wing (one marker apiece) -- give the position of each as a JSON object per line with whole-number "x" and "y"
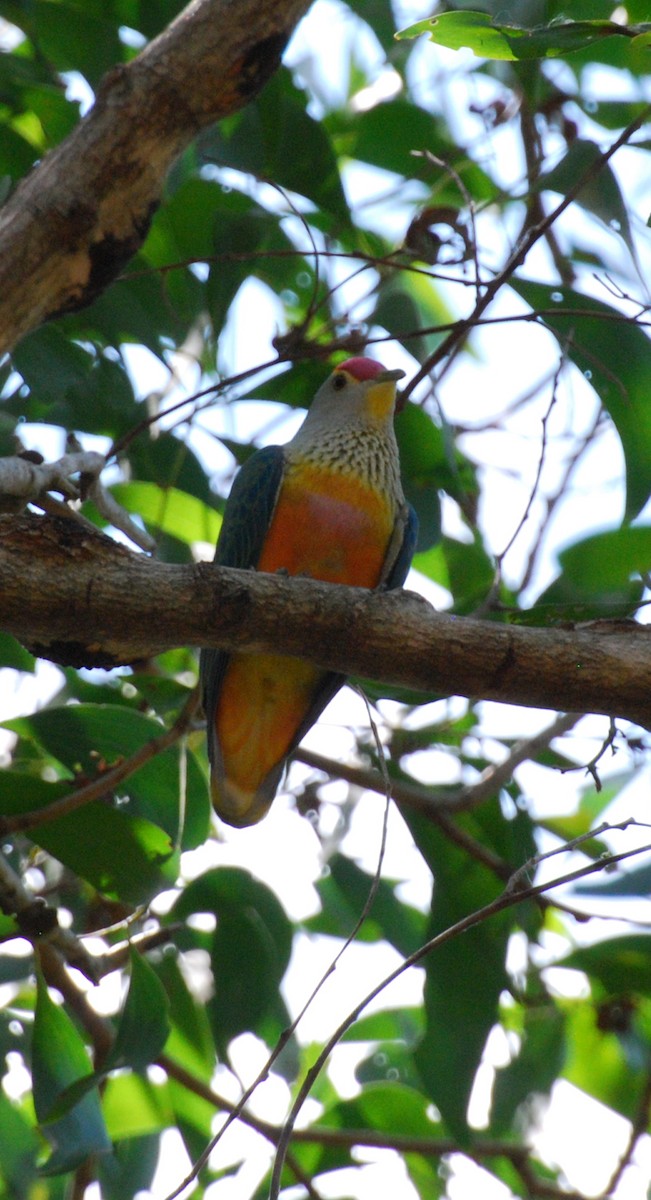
{"x": 397, "y": 568}
{"x": 249, "y": 509}
{"x": 247, "y": 517}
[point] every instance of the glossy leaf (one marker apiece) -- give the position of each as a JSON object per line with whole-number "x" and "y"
{"x": 135, "y": 1107}
{"x": 190, "y": 1040}
{"x": 59, "y": 1059}
{"x": 464, "y": 976}
{"x": 600, "y": 576}
{"x": 634, "y": 882}
{"x": 600, "y": 194}
{"x": 464, "y": 568}
{"x": 596, "y": 1062}
{"x": 12, "y": 654}
{"x": 488, "y": 39}
{"x": 170, "y": 510}
{"x": 144, "y": 1025}
{"x": 613, "y": 354}
{"x": 249, "y": 949}
{"x": 532, "y": 1072}
{"x": 122, "y": 856}
{"x": 89, "y": 738}
{"x": 20, "y": 1146}
{"x": 276, "y": 138}
{"x": 621, "y": 964}
{"x": 344, "y": 892}
{"x": 130, "y": 1167}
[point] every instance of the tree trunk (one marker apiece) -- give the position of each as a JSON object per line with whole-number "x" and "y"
{"x": 75, "y": 221}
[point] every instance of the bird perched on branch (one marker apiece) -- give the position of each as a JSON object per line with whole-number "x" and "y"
{"x": 329, "y": 504}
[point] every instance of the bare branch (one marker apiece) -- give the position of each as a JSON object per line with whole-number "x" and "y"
{"x": 75, "y": 596}
{"x": 76, "y": 474}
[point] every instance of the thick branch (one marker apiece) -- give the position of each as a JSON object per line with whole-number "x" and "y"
{"x": 74, "y": 222}
{"x": 77, "y": 597}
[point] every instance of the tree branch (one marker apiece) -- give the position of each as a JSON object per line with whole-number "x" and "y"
{"x": 39, "y": 923}
{"x": 57, "y": 577}
{"x": 77, "y": 219}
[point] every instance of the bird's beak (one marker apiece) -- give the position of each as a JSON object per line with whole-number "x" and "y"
{"x": 381, "y": 394}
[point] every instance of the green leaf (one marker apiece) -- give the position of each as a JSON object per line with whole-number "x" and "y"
{"x": 59, "y": 1059}
{"x": 190, "y": 1040}
{"x": 140, "y": 307}
{"x": 464, "y": 976}
{"x": 90, "y": 737}
{"x": 464, "y": 568}
{"x": 133, "y": 1106}
{"x": 616, "y": 114}
{"x": 597, "y": 1063}
{"x": 424, "y": 466}
{"x": 170, "y": 462}
{"x": 51, "y": 365}
{"x": 124, "y": 857}
{"x": 173, "y": 511}
{"x": 395, "y": 134}
{"x": 343, "y": 893}
{"x": 392, "y": 1062}
{"x": 20, "y": 1146}
{"x": 250, "y": 947}
{"x": 621, "y": 964}
{"x": 74, "y": 39}
{"x": 487, "y": 39}
{"x": 12, "y": 654}
{"x": 635, "y": 882}
{"x": 601, "y": 194}
{"x": 143, "y": 1027}
{"x": 275, "y": 138}
{"x": 534, "y": 1069}
{"x": 387, "y": 1107}
{"x": 405, "y": 304}
{"x": 605, "y": 561}
{"x": 130, "y": 1168}
{"x": 70, "y": 385}
{"x": 600, "y": 575}
{"x": 141, "y": 1033}
{"x": 194, "y": 1115}
{"x": 576, "y": 824}
{"x": 614, "y": 356}
{"x": 396, "y": 1024}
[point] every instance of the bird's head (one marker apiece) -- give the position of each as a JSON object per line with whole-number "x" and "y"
{"x": 360, "y": 390}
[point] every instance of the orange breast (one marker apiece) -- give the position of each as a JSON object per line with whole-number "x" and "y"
{"x": 328, "y": 527}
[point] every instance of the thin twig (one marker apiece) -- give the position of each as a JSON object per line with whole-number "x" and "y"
{"x": 638, "y": 1129}
{"x": 39, "y": 923}
{"x": 288, "y": 1033}
{"x": 517, "y": 258}
{"x": 515, "y": 892}
{"x": 108, "y": 780}
{"x": 450, "y": 800}
{"x": 479, "y": 1150}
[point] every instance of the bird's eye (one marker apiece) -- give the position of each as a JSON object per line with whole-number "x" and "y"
{"x": 338, "y": 382}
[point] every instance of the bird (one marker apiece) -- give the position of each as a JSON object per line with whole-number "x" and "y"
{"x": 329, "y": 504}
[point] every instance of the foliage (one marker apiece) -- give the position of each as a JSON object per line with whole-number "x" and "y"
{"x": 387, "y": 202}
